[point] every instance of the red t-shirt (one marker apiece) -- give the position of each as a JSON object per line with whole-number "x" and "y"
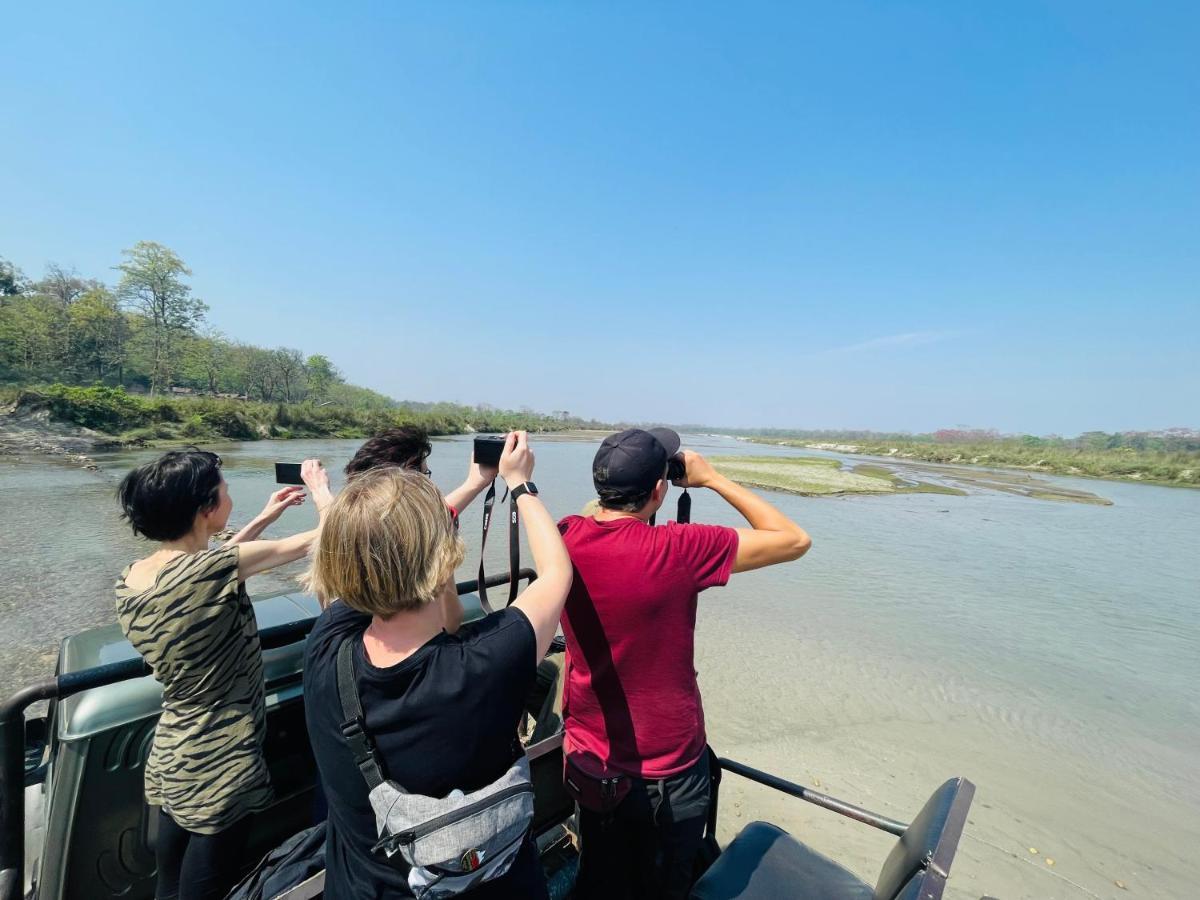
{"x": 631, "y": 702}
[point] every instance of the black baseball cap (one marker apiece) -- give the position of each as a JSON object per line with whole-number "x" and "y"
{"x": 631, "y": 462}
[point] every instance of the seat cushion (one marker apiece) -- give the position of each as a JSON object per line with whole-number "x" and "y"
{"x": 767, "y": 862}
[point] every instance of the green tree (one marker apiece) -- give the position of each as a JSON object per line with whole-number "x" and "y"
{"x": 206, "y": 360}
{"x": 261, "y": 376}
{"x": 289, "y": 367}
{"x": 27, "y": 326}
{"x": 63, "y": 287}
{"x": 12, "y": 281}
{"x": 1093, "y": 440}
{"x": 101, "y": 334}
{"x": 322, "y": 375}
{"x": 152, "y": 283}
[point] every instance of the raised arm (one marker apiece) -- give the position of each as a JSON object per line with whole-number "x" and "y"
{"x": 542, "y": 602}
{"x": 292, "y": 495}
{"x": 262, "y": 556}
{"x": 478, "y": 478}
{"x": 771, "y": 538}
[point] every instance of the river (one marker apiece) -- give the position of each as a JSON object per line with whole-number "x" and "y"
{"x": 1050, "y": 652}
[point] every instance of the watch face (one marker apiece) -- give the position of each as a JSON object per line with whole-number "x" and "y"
{"x": 531, "y": 487}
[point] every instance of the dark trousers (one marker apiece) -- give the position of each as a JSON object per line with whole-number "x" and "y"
{"x": 543, "y": 703}
{"x": 197, "y": 866}
{"x": 646, "y": 848}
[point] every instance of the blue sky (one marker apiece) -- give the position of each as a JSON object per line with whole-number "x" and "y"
{"x": 889, "y": 215}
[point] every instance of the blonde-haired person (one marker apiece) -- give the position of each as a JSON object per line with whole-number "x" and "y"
{"x": 442, "y": 709}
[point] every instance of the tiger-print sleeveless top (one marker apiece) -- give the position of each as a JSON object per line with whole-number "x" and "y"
{"x": 195, "y": 627}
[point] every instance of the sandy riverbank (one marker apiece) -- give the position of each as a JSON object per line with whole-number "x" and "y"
{"x": 884, "y": 736}
{"x": 30, "y": 432}
{"x": 821, "y": 476}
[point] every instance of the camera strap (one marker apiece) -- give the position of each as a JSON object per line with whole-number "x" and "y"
{"x": 514, "y": 545}
{"x": 683, "y": 509}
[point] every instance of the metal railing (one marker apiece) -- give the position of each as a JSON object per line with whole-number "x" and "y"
{"x": 892, "y": 826}
{"x": 59, "y": 687}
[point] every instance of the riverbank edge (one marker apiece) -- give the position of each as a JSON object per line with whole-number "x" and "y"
{"x": 35, "y": 432}
{"x": 73, "y": 422}
{"x": 967, "y": 463}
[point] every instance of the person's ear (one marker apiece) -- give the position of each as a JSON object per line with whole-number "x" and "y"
{"x": 660, "y": 490}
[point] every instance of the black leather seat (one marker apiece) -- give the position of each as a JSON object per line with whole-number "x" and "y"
{"x": 764, "y": 861}
{"x": 920, "y": 841}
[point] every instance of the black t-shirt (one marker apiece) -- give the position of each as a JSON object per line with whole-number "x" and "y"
{"x": 444, "y": 718}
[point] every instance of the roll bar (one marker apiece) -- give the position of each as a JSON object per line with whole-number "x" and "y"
{"x": 59, "y": 687}
{"x": 892, "y": 826}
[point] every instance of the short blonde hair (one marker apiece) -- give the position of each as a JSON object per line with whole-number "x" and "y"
{"x": 387, "y": 544}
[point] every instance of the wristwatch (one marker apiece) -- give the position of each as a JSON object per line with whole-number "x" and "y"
{"x": 527, "y": 487}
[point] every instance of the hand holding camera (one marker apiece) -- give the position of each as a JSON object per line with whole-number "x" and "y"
{"x": 516, "y": 462}
{"x": 485, "y": 460}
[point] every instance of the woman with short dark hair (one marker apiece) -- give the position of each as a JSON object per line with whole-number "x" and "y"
{"x": 185, "y": 610}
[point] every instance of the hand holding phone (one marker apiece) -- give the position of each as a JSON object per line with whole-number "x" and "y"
{"x": 288, "y": 473}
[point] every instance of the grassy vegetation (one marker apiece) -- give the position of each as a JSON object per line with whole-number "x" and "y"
{"x": 907, "y": 487}
{"x": 134, "y": 419}
{"x": 799, "y": 475}
{"x": 1171, "y": 467}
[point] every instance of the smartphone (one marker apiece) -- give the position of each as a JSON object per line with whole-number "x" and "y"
{"x": 488, "y": 448}
{"x": 288, "y": 473}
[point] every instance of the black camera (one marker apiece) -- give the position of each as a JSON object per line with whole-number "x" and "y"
{"x": 676, "y": 467}
{"x": 488, "y": 448}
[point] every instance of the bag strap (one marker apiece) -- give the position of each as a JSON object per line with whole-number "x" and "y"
{"x": 714, "y": 779}
{"x": 514, "y": 546}
{"x": 354, "y": 726}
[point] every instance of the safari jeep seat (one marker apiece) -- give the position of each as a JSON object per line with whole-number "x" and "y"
{"x": 100, "y": 833}
{"x": 764, "y": 861}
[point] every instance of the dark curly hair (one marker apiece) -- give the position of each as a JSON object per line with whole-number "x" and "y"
{"x": 405, "y": 448}
{"x": 160, "y": 500}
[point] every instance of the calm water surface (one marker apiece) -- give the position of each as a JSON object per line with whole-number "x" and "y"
{"x": 1049, "y": 651}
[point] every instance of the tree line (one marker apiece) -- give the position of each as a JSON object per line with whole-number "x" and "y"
{"x": 148, "y": 333}
{"x": 1169, "y": 440}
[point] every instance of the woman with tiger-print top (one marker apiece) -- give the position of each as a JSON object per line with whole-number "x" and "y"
{"x": 185, "y": 609}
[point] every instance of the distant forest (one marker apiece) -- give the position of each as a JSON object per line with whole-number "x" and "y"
{"x": 148, "y": 334}
{"x": 1170, "y": 440}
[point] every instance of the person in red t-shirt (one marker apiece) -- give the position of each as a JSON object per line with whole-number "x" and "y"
{"x": 631, "y": 703}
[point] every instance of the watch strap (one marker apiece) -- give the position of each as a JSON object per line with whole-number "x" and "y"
{"x": 527, "y": 487}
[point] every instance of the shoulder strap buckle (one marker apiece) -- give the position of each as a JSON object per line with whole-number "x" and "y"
{"x": 354, "y": 726}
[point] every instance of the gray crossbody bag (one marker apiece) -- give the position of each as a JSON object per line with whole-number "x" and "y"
{"x": 448, "y": 845}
